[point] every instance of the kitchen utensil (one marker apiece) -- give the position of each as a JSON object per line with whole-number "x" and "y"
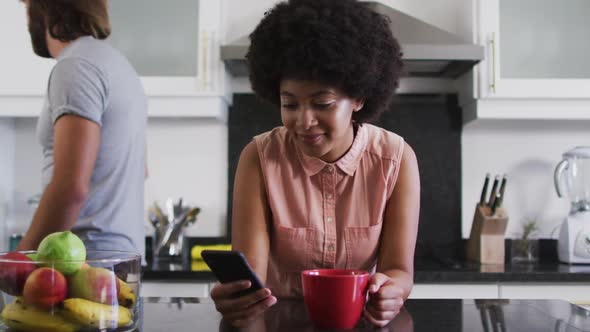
{"x": 163, "y": 221}
{"x": 169, "y": 237}
{"x": 484, "y": 192}
{"x": 178, "y": 207}
{"x": 503, "y": 187}
{"x": 494, "y": 190}
{"x": 170, "y": 210}
{"x": 572, "y": 179}
{"x": 495, "y": 204}
{"x": 172, "y": 241}
{"x": 499, "y": 196}
{"x": 173, "y": 229}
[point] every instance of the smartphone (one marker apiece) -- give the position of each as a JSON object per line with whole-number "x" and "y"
{"x": 228, "y": 266}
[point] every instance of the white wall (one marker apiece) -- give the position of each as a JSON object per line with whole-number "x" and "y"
{"x": 27, "y": 173}
{"x": 527, "y": 151}
{"x": 186, "y": 158}
{"x": 7, "y": 178}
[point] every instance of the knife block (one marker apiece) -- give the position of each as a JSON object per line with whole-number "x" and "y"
{"x": 486, "y": 240}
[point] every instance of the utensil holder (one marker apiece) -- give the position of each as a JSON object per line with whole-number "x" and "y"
{"x": 486, "y": 240}
{"x": 172, "y": 249}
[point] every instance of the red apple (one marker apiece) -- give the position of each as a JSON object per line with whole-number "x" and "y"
{"x": 96, "y": 284}
{"x": 15, "y": 267}
{"x": 45, "y": 287}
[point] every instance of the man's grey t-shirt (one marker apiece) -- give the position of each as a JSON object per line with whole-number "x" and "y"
{"x": 94, "y": 81}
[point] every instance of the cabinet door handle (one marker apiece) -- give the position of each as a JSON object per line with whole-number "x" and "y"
{"x": 493, "y": 45}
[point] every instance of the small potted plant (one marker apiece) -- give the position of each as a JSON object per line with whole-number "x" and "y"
{"x": 525, "y": 249}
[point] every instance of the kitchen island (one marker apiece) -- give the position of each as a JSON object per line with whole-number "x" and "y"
{"x": 418, "y": 315}
{"x": 437, "y": 274}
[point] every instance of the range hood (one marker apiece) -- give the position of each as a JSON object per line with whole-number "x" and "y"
{"x": 428, "y": 51}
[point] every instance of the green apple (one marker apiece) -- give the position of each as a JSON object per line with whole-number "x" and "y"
{"x": 63, "y": 251}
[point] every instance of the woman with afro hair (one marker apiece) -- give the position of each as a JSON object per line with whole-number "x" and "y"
{"x": 326, "y": 189}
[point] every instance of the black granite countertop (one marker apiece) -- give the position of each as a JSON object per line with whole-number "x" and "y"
{"x": 425, "y": 272}
{"x": 429, "y": 268}
{"x": 418, "y": 315}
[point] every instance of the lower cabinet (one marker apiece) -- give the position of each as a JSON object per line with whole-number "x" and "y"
{"x": 454, "y": 291}
{"x": 577, "y": 293}
{"x": 175, "y": 289}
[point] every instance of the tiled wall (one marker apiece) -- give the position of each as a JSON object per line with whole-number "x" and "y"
{"x": 431, "y": 124}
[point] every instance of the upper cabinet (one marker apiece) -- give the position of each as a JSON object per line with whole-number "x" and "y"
{"x": 173, "y": 45}
{"x": 534, "y": 49}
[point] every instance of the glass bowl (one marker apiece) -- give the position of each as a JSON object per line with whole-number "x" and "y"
{"x": 97, "y": 294}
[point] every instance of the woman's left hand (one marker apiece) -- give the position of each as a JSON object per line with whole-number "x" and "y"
{"x": 385, "y": 300}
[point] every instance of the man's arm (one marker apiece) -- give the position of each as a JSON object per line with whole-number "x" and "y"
{"x": 76, "y": 142}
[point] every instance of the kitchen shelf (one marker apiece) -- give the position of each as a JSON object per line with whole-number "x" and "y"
{"x": 205, "y": 107}
{"x": 527, "y": 109}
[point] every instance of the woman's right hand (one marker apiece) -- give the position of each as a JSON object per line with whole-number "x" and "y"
{"x": 242, "y": 310}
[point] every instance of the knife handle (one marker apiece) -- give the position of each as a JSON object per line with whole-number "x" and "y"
{"x": 502, "y": 189}
{"x": 482, "y": 199}
{"x": 494, "y": 190}
{"x": 497, "y": 201}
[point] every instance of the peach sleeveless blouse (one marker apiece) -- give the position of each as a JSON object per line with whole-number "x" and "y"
{"x": 326, "y": 215}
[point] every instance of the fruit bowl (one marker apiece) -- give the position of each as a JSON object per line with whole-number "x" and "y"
{"x": 97, "y": 293}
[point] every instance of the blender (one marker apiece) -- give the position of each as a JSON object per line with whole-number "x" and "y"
{"x": 572, "y": 178}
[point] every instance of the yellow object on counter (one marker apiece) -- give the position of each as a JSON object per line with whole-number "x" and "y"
{"x": 198, "y": 249}
{"x": 199, "y": 265}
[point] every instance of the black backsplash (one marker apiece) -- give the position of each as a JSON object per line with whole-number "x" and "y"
{"x": 431, "y": 124}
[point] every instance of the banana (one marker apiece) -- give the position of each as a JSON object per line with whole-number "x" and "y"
{"x": 126, "y": 295}
{"x": 98, "y": 315}
{"x": 25, "y": 318}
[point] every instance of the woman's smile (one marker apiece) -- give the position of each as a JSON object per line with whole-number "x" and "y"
{"x": 311, "y": 139}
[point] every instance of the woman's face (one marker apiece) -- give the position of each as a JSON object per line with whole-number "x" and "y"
{"x": 319, "y": 116}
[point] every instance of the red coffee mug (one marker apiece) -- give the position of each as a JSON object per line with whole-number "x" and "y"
{"x": 334, "y": 298}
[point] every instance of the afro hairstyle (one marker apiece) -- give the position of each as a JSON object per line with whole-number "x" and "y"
{"x": 342, "y": 43}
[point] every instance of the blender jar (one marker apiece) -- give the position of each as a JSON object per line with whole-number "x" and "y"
{"x": 572, "y": 178}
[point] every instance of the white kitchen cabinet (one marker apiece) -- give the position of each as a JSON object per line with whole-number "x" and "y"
{"x": 535, "y": 49}
{"x": 578, "y": 293}
{"x": 175, "y": 289}
{"x": 535, "y": 65}
{"x": 454, "y": 291}
{"x": 174, "y": 46}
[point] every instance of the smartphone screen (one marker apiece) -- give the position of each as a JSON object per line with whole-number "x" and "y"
{"x": 228, "y": 266}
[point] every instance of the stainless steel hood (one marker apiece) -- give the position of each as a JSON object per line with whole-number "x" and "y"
{"x": 428, "y": 51}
